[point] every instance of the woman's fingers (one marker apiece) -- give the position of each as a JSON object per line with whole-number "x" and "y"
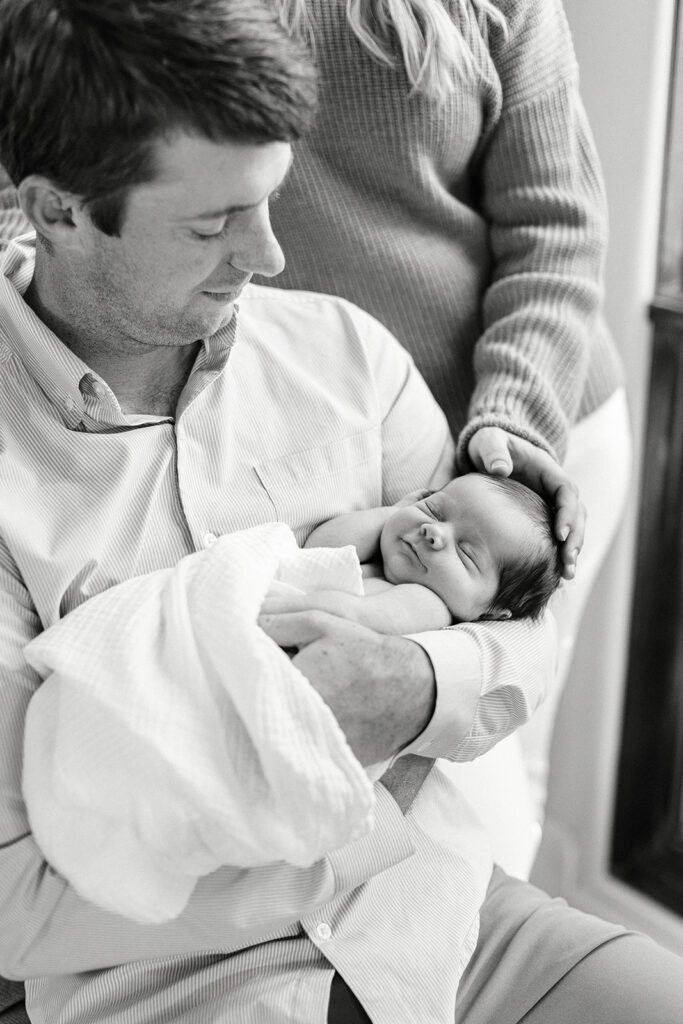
{"x": 489, "y": 451}
{"x": 500, "y": 453}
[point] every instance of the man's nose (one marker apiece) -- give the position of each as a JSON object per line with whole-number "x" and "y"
{"x": 259, "y": 251}
{"x": 433, "y": 535}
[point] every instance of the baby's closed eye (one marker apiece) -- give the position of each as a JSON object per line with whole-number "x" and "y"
{"x": 467, "y": 554}
{"x": 433, "y": 508}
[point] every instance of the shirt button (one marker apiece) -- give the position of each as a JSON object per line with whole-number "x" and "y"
{"x": 69, "y": 404}
{"x": 98, "y": 389}
{"x": 209, "y": 539}
{"x": 323, "y": 931}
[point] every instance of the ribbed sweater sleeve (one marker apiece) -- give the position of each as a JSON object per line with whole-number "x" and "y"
{"x": 543, "y": 197}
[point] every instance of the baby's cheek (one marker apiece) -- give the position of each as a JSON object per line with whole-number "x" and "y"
{"x": 448, "y": 582}
{"x": 390, "y": 572}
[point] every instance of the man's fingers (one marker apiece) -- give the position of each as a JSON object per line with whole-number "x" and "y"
{"x": 275, "y": 603}
{"x": 298, "y": 629}
{"x": 291, "y": 629}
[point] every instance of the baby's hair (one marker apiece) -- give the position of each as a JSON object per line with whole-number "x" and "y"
{"x": 531, "y": 577}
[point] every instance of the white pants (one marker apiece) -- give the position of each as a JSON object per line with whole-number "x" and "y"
{"x": 508, "y": 786}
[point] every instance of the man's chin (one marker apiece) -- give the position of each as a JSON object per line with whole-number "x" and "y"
{"x": 212, "y": 324}
{"x": 227, "y": 313}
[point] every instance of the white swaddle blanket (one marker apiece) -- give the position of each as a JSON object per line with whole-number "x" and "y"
{"x": 164, "y": 745}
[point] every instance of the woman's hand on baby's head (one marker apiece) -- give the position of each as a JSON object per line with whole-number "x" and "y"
{"x": 489, "y": 451}
{"x": 499, "y": 453}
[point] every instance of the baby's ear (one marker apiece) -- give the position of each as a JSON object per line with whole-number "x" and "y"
{"x": 497, "y": 615}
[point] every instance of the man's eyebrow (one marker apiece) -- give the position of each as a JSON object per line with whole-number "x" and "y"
{"x": 226, "y": 211}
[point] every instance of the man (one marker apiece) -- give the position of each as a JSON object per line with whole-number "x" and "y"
{"x": 142, "y": 414}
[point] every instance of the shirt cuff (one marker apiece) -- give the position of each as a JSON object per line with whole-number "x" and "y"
{"x": 457, "y": 665}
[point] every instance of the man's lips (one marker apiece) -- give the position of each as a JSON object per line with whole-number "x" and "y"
{"x": 228, "y": 292}
{"x": 222, "y": 296}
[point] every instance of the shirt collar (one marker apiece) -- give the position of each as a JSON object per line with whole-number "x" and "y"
{"x": 56, "y": 369}
{"x": 53, "y": 366}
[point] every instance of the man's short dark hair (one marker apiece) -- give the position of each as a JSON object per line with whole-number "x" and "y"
{"x": 87, "y": 87}
{"x": 528, "y": 581}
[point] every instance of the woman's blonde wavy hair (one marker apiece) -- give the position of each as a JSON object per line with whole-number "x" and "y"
{"x": 433, "y": 50}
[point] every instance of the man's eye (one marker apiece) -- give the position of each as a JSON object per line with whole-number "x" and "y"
{"x": 207, "y": 235}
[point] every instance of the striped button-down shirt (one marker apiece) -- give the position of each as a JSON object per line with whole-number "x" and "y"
{"x": 302, "y": 408}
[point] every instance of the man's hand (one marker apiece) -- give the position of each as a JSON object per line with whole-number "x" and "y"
{"x": 281, "y": 602}
{"x": 405, "y": 778}
{"x": 499, "y": 453}
{"x": 380, "y": 689}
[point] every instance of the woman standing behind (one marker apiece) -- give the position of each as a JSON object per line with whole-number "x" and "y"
{"x": 451, "y": 188}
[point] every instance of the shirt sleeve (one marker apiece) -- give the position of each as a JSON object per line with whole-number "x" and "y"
{"x": 491, "y": 677}
{"x": 542, "y": 193}
{"x": 46, "y": 928}
{"x": 417, "y": 447}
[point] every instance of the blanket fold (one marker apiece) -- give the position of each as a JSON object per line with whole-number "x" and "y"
{"x": 170, "y": 741}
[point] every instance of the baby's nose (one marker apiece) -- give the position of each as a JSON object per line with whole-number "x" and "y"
{"x": 432, "y": 535}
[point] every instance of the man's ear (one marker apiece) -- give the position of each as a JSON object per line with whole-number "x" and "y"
{"x": 496, "y": 615}
{"x": 52, "y": 211}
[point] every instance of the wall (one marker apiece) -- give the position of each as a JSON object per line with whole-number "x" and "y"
{"x": 623, "y": 48}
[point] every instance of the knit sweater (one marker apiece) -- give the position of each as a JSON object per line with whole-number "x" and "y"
{"x": 474, "y": 227}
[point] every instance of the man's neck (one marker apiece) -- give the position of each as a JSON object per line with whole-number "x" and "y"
{"x": 148, "y": 383}
{"x": 145, "y": 379}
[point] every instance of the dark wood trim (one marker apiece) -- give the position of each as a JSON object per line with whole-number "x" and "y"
{"x": 647, "y": 847}
{"x": 647, "y": 835}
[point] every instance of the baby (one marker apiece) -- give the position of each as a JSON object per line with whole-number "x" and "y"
{"x": 480, "y": 548}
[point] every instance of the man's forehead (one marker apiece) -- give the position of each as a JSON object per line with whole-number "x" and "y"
{"x": 197, "y": 178}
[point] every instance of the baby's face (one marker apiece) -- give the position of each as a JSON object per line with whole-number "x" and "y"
{"x": 454, "y": 542}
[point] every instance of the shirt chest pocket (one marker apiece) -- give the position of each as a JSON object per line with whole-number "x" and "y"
{"x": 310, "y": 486}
